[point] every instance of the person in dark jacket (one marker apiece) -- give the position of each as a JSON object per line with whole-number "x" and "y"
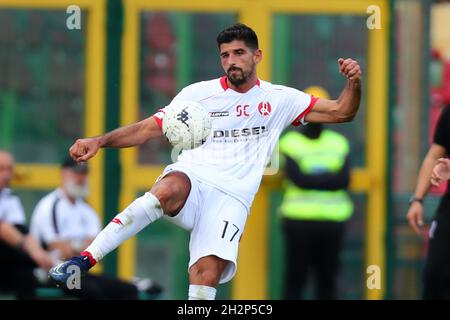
{"x": 437, "y": 265}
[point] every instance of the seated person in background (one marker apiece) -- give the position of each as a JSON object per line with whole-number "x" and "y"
{"x": 19, "y": 251}
{"x": 66, "y": 224}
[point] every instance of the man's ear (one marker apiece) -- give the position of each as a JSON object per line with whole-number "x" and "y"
{"x": 257, "y": 57}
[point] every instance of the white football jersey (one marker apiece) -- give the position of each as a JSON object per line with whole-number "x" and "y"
{"x": 245, "y": 130}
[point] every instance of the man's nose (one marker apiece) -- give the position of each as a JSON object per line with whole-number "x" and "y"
{"x": 232, "y": 60}
{"x": 233, "y": 65}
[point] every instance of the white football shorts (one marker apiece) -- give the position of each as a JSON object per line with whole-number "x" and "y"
{"x": 215, "y": 219}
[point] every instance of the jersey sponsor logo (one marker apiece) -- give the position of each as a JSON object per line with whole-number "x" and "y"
{"x": 264, "y": 108}
{"x": 234, "y": 133}
{"x": 217, "y": 114}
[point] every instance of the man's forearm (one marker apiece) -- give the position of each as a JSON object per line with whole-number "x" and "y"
{"x": 350, "y": 98}
{"x": 10, "y": 235}
{"x": 131, "y": 135}
{"x": 423, "y": 181}
{"x": 123, "y": 137}
{"x": 64, "y": 249}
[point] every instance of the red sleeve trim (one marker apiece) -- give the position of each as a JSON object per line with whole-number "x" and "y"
{"x": 158, "y": 121}
{"x": 296, "y": 122}
{"x": 158, "y": 118}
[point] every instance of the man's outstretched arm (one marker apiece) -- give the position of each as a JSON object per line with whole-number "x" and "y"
{"x": 128, "y": 136}
{"x": 345, "y": 107}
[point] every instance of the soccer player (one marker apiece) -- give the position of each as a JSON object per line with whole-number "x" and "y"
{"x": 210, "y": 189}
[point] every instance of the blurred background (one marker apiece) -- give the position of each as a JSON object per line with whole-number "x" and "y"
{"x": 131, "y": 57}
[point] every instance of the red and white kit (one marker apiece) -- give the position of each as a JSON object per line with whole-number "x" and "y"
{"x": 226, "y": 171}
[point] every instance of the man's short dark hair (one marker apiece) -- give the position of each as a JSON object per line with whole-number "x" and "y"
{"x": 241, "y": 32}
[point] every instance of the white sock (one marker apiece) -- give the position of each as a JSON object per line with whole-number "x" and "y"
{"x": 140, "y": 213}
{"x": 197, "y": 292}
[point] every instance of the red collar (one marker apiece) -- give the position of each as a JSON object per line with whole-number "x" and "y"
{"x": 224, "y": 84}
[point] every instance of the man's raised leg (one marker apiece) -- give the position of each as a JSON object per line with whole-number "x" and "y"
{"x": 167, "y": 196}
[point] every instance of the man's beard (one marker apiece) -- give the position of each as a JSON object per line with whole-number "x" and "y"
{"x": 240, "y": 80}
{"x": 76, "y": 191}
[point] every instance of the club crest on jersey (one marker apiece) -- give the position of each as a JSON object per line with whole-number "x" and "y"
{"x": 264, "y": 108}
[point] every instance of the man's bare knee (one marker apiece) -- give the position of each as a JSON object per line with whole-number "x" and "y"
{"x": 172, "y": 192}
{"x": 164, "y": 192}
{"x": 207, "y": 271}
{"x": 204, "y": 277}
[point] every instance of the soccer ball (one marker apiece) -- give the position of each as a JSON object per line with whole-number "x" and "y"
{"x": 186, "y": 124}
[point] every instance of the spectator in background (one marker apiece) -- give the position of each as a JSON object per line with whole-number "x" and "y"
{"x": 66, "y": 224}
{"x": 315, "y": 206}
{"x": 437, "y": 265}
{"x": 20, "y": 253}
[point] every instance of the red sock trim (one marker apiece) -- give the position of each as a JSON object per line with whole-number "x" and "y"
{"x": 91, "y": 258}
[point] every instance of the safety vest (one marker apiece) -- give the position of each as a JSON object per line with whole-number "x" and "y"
{"x": 324, "y": 154}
